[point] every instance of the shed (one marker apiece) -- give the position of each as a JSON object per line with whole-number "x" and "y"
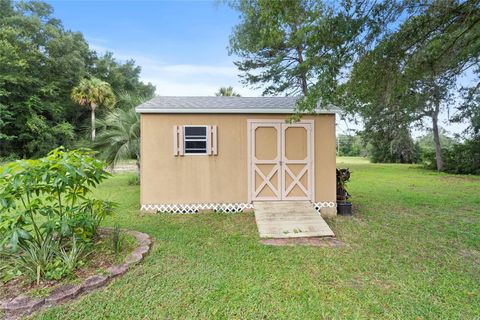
{"x": 226, "y": 153}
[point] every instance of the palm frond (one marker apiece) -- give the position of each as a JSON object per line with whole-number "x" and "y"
{"x": 119, "y": 134}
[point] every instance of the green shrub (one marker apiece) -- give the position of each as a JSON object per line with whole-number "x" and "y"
{"x": 51, "y": 196}
{"x": 351, "y": 146}
{"x": 460, "y": 158}
{"x": 45, "y": 206}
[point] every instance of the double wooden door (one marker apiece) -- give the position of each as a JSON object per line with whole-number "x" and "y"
{"x": 280, "y": 160}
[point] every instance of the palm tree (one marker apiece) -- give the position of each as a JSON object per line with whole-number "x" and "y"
{"x": 119, "y": 136}
{"x": 226, "y": 92}
{"x": 93, "y": 93}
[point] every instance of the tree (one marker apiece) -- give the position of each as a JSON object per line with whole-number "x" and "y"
{"x": 226, "y": 92}
{"x": 39, "y": 63}
{"x": 469, "y": 108}
{"x": 394, "y": 59}
{"x": 389, "y": 139}
{"x": 271, "y": 41}
{"x": 351, "y": 146}
{"x": 426, "y": 142}
{"x": 304, "y": 46}
{"x": 122, "y": 77}
{"x": 119, "y": 136}
{"x": 413, "y": 71}
{"x": 93, "y": 93}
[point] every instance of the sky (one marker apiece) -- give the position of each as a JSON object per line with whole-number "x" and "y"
{"x": 181, "y": 46}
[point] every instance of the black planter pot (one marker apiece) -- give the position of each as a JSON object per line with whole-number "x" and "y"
{"x": 344, "y": 208}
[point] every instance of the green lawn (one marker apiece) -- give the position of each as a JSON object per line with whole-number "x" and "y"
{"x": 412, "y": 251}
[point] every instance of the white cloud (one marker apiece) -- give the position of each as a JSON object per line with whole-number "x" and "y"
{"x": 181, "y": 79}
{"x": 190, "y": 79}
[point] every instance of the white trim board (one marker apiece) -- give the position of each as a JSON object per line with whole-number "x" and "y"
{"x": 238, "y": 111}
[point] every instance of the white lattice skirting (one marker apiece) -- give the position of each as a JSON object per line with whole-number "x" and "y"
{"x": 196, "y": 207}
{"x": 325, "y": 204}
{"x": 216, "y": 207}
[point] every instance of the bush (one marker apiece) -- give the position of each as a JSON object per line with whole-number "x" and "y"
{"x": 394, "y": 152}
{"x": 45, "y": 203}
{"x": 351, "y": 146}
{"x": 460, "y": 158}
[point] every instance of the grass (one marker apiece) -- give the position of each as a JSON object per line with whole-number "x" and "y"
{"x": 412, "y": 251}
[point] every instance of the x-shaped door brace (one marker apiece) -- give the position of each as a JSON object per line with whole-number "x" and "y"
{"x": 266, "y": 180}
{"x": 296, "y": 180}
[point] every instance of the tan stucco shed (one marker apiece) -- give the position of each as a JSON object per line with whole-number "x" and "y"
{"x": 225, "y": 153}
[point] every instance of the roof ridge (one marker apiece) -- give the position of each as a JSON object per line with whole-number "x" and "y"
{"x": 219, "y": 104}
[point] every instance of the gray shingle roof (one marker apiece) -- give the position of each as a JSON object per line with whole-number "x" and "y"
{"x": 164, "y": 104}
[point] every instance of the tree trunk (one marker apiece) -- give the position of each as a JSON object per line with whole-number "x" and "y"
{"x": 303, "y": 75}
{"x": 304, "y": 85}
{"x": 93, "y": 121}
{"x": 436, "y": 137}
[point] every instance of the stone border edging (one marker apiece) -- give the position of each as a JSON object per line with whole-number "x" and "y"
{"x": 23, "y": 305}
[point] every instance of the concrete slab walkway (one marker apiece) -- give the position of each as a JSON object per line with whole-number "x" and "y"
{"x": 289, "y": 219}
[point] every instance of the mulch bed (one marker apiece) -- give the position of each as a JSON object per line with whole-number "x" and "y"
{"x": 96, "y": 261}
{"x": 15, "y": 304}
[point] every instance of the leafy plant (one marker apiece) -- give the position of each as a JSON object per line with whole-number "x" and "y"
{"x": 343, "y": 175}
{"x": 117, "y": 239}
{"x": 119, "y": 136}
{"x": 44, "y": 203}
{"x": 71, "y": 259}
{"x": 35, "y": 259}
{"x": 49, "y": 260}
{"x": 66, "y": 260}
{"x": 49, "y": 196}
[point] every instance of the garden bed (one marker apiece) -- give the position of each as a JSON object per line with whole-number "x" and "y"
{"x": 20, "y": 297}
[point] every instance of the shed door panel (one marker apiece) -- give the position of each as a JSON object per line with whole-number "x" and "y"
{"x": 266, "y": 155}
{"x": 296, "y": 161}
{"x": 281, "y": 161}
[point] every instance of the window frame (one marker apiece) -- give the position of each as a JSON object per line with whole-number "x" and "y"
{"x": 206, "y": 139}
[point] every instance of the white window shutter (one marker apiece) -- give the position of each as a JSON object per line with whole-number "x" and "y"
{"x": 177, "y": 140}
{"x": 181, "y": 149}
{"x": 209, "y": 140}
{"x": 213, "y": 140}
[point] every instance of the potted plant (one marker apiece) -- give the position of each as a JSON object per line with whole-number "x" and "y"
{"x": 344, "y": 207}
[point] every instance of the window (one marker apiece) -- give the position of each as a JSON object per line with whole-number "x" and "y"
{"x": 195, "y": 139}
